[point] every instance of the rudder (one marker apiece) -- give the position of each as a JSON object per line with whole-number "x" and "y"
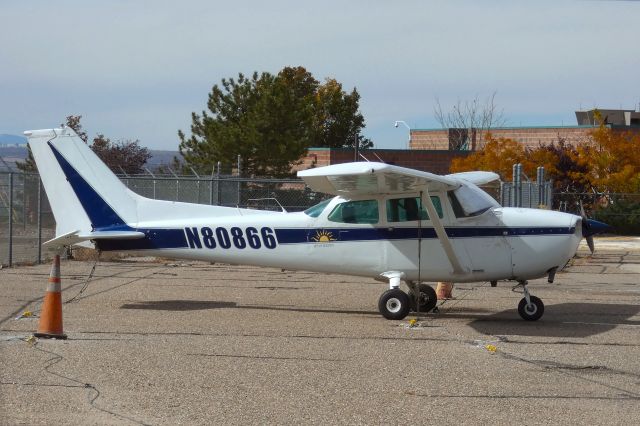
{"x": 88, "y": 196}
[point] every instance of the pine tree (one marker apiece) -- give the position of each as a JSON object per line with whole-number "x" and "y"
{"x": 270, "y": 121}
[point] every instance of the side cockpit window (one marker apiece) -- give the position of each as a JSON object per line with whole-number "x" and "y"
{"x": 361, "y": 211}
{"x": 408, "y": 209}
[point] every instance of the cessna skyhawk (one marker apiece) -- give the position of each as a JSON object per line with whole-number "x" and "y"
{"x": 386, "y": 222}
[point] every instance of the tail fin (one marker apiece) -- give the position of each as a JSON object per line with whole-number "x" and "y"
{"x": 86, "y": 191}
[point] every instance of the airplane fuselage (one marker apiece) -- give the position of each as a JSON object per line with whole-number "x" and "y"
{"x": 501, "y": 243}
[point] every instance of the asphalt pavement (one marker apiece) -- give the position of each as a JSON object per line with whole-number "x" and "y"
{"x": 169, "y": 342}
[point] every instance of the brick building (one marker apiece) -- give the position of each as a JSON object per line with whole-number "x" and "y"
{"x": 434, "y": 161}
{"x": 449, "y": 139}
{"x": 532, "y": 136}
{"x": 432, "y": 150}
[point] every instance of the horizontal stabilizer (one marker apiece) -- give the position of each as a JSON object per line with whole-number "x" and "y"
{"x": 76, "y": 237}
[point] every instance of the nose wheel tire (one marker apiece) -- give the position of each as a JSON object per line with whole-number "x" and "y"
{"x": 394, "y": 304}
{"x": 532, "y": 311}
{"x": 426, "y": 296}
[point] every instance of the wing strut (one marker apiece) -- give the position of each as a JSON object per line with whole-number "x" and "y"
{"x": 441, "y": 233}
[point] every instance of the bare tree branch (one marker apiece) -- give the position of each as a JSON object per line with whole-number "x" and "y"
{"x": 469, "y": 121}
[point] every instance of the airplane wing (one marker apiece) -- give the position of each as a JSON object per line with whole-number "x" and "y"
{"x": 373, "y": 178}
{"x": 477, "y": 178}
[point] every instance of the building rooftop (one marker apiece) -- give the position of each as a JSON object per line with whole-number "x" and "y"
{"x": 616, "y": 117}
{"x": 585, "y": 119}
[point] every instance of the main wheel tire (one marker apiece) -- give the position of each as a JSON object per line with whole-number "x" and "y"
{"x": 394, "y": 304}
{"x": 427, "y": 297}
{"x": 533, "y": 311}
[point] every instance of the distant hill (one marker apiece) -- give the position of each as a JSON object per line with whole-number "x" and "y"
{"x": 6, "y": 139}
{"x": 161, "y": 158}
{"x": 11, "y": 153}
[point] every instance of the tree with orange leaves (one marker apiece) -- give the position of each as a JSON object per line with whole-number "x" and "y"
{"x": 612, "y": 160}
{"x": 609, "y": 161}
{"x": 500, "y": 154}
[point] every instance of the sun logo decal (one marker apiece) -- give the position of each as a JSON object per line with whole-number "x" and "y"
{"x": 323, "y": 236}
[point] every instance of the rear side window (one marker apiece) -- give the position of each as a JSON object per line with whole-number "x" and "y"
{"x": 408, "y": 209}
{"x": 362, "y": 211}
{"x": 317, "y": 209}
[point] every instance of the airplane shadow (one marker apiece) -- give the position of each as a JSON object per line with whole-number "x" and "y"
{"x": 560, "y": 320}
{"x": 178, "y": 305}
{"x": 194, "y": 305}
{"x": 312, "y": 310}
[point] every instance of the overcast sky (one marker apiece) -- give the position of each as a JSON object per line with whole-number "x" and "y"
{"x": 137, "y": 69}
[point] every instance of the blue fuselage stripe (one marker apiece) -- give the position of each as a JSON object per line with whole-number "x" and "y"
{"x": 301, "y": 235}
{"x": 156, "y": 239}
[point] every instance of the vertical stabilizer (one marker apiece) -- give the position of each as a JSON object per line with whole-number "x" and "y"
{"x": 88, "y": 195}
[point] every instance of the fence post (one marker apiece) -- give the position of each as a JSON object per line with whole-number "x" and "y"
{"x": 520, "y": 191}
{"x": 239, "y": 175}
{"x": 514, "y": 178}
{"x": 516, "y": 185}
{"x": 197, "y": 183}
{"x": 211, "y": 190}
{"x": 213, "y": 168}
{"x": 218, "y": 188}
{"x": 541, "y": 185}
{"x": 10, "y": 218}
{"x": 24, "y": 201}
{"x": 39, "y": 219}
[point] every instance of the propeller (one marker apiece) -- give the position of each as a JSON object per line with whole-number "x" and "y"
{"x": 591, "y": 227}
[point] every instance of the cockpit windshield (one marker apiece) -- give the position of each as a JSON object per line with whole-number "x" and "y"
{"x": 316, "y": 210}
{"x": 469, "y": 200}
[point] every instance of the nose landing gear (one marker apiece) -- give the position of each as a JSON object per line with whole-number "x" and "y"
{"x": 530, "y": 307}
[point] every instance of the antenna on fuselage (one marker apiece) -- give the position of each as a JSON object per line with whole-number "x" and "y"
{"x": 365, "y": 158}
{"x": 378, "y": 157}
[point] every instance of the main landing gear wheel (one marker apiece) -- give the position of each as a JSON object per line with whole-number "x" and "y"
{"x": 394, "y": 304}
{"x": 532, "y": 311}
{"x": 426, "y": 296}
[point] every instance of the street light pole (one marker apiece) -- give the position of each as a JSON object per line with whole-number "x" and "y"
{"x": 407, "y": 126}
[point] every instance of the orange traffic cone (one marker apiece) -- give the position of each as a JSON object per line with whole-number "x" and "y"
{"x": 50, "y": 325}
{"x": 443, "y": 291}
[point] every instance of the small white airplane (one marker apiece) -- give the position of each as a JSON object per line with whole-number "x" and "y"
{"x": 386, "y": 222}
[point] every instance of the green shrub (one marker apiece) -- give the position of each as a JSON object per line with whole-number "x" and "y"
{"x": 622, "y": 215}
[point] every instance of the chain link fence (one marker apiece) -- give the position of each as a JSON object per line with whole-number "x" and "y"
{"x": 620, "y": 211}
{"x": 26, "y": 220}
{"x": 229, "y": 191}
